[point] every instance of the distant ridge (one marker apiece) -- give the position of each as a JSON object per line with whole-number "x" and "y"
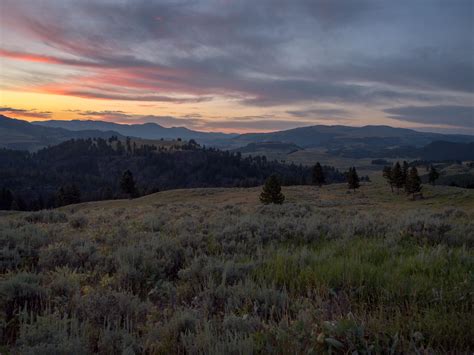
{"x": 22, "y": 135}
{"x": 145, "y": 130}
{"x": 347, "y": 136}
{"x": 18, "y": 134}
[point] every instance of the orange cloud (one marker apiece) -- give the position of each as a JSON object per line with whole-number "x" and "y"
{"x": 28, "y": 57}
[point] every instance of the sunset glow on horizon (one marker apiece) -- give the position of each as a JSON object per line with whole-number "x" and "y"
{"x": 240, "y": 66}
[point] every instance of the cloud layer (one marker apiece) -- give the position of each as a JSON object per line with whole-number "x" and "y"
{"x": 293, "y": 56}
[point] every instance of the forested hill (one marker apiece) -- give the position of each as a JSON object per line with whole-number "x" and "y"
{"x": 95, "y": 166}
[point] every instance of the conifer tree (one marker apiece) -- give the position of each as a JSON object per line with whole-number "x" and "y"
{"x": 318, "y": 175}
{"x": 405, "y": 170}
{"x": 272, "y": 191}
{"x": 397, "y": 176}
{"x": 127, "y": 183}
{"x": 67, "y": 195}
{"x": 6, "y": 199}
{"x": 433, "y": 175}
{"x": 353, "y": 179}
{"x": 413, "y": 182}
{"x": 387, "y": 174}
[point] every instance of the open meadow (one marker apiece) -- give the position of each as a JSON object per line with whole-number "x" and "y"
{"x": 214, "y": 271}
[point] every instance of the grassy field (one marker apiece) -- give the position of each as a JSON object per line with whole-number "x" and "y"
{"x": 213, "y": 271}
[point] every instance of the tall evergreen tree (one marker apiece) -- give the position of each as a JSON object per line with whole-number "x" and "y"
{"x": 387, "y": 174}
{"x": 67, "y": 195}
{"x": 353, "y": 179}
{"x": 272, "y": 191}
{"x": 128, "y": 145}
{"x": 6, "y": 199}
{"x": 397, "y": 176}
{"x": 405, "y": 170}
{"x": 318, "y": 177}
{"x": 127, "y": 183}
{"x": 433, "y": 175}
{"x": 413, "y": 182}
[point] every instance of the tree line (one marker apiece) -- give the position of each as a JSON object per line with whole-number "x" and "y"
{"x": 271, "y": 190}
{"x": 401, "y": 176}
{"x": 84, "y": 170}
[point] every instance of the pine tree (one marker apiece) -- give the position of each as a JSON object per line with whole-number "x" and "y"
{"x": 318, "y": 175}
{"x": 405, "y": 171}
{"x": 127, "y": 183}
{"x": 128, "y": 145}
{"x": 413, "y": 182}
{"x": 387, "y": 174}
{"x": 67, "y": 195}
{"x": 353, "y": 179}
{"x": 6, "y": 199}
{"x": 433, "y": 175}
{"x": 397, "y": 176}
{"x": 272, "y": 191}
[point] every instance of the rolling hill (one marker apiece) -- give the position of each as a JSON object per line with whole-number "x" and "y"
{"x": 213, "y": 271}
{"x": 145, "y": 130}
{"x": 22, "y": 135}
{"x": 346, "y": 136}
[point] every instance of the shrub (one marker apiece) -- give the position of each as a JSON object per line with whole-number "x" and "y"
{"x": 81, "y": 254}
{"x": 51, "y": 334}
{"x": 19, "y": 292}
{"x": 78, "y": 222}
{"x": 19, "y": 247}
{"x": 46, "y": 217}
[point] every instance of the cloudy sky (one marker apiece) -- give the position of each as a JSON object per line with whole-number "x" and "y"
{"x": 238, "y": 66}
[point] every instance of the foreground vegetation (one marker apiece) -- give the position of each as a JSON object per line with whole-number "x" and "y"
{"x": 215, "y": 271}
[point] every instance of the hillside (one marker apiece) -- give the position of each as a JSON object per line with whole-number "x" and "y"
{"x": 22, "y": 135}
{"x": 374, "y": 137}
{"x": 268, "y": 147}
{"x": 214, "y": 271}
{"x": 368, "y": 141}
{"x": 145, "y": 130}
{"x": 93, "y": 169}
{"x": 441, "y": 150}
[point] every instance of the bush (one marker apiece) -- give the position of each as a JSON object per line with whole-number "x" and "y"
{"x": 19, "y": 247}
{"x": 80, "y": 254}
{"x": 19, "y": 292}
{"x": 78, "y": 222}
{"x": 46, "y": 217}
{"x": 51, "y": 334}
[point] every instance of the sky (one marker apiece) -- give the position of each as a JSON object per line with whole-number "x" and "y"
{"x": 240, "y": 65}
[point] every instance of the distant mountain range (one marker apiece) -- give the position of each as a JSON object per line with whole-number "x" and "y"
{"x": 22, "y": 135}
{"x": 18, "y": 134}
{"x": 145, "y": 130}
{"x": 333, "y": 137}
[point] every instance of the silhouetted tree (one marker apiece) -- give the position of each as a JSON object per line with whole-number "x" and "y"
{"x": 318, "y": 177}
{"x": 405, "y": 170}
{"x": 67, "y": 195}
{"x": 397, "y": 176}
{"x": 413, "y": 182}
{"x": 387, "y": 174}
{"x": 127, "y": 183}
{"x": 433, "y": 175}
{"x": 128, "y": 145}
{"x": 6, "y": 199}
{"x": 353, "y": 179}
{"x": 272, "y": 191}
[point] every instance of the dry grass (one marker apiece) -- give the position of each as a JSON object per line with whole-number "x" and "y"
{"x": 214, "y": 271}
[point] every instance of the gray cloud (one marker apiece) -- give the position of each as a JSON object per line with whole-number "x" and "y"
{"x": 197, "y": 122}
{"x": 259, "y": 53}
{"x": 155, "y": 98}
{"x": 320, "y": 113}
{"x": 33, "y": 113}
{"x": 462, "y": 116}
